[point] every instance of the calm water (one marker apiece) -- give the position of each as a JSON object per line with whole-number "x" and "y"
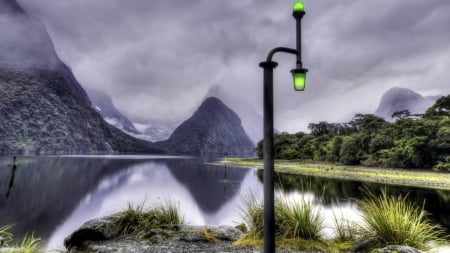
{"x": 53, "y": 196}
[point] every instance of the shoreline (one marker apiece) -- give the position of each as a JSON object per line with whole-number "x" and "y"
{"x": 391, "y": 176}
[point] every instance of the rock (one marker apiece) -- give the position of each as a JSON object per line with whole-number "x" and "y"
{"x": 196, "y": 234}
{"x": 102, "y": 236}
{"x": 242, "y": 227}
{"x": 364, "y": 245}
{"x": 94, "y": 230}
{"x": 398, "y": 249}
{"x": 156, "y": 239}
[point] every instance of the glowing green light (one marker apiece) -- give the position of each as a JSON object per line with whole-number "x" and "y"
{"x": 299, "y": 76}
{"x": 299, "y": 6}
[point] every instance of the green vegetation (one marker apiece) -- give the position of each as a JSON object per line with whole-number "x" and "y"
{"x": 253, "y": 216}
{"x": 412, "y": 141}
{"x": 389, "y": 220}
{"x": 418, "y": 178}
{"x": 29, "y": 243}
{"x": 398, "y": 222}
{"x": 346, "y": 230}
{"x": 135, "y": 219}
{"x": 298, "y": 219}
{"x": 209, "y": 235}
{"x": 298, "y": 225}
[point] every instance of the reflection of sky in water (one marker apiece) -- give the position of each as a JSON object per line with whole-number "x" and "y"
{"x": 150, "y": 182}
{"x": 153, "y": 182}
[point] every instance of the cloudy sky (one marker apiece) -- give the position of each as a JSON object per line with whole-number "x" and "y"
{"x": 159, "y": 59}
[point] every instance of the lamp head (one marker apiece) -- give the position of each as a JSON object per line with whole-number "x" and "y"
{"x": 298, "y": 9}
{"x": 299, "y": 77}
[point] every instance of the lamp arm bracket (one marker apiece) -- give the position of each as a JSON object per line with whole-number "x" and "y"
{"x": 280, "y": 49}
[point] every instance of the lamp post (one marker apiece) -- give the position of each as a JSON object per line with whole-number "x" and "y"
{"x": 299, "y": 80}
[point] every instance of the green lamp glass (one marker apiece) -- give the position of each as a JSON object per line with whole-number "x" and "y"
{"x": 299, "y": 77}
{"x": 298, "y": 6}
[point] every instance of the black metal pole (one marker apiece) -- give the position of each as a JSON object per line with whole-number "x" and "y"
{"x": 298, "y": 15}
{"x": 299, "y": 41}
{"x": 269, "y": 207}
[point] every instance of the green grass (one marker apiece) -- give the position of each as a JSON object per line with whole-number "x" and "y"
{"x": 5, "y": 234}
{"x": 209, "y": 235}
{"x": 298, "y": 219}
{"x": 346, "y": 230}
{"x": 298, "y": 224}
{"x": 29, "y": 243}
{"x": 394, "y": 220}
{"x": 136, "y": 219}
{"x": 418, "y": 178}
{"x": 398, "y": 222}
{"x": 253, "y": 216}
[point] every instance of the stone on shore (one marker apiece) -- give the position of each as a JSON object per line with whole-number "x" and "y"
{"x": 398, "y": 249}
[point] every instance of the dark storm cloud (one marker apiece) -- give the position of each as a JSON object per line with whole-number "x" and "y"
{"x": 158, "y": 59}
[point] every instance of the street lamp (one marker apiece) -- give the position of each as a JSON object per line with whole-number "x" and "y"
{"x": 299, "y": 79}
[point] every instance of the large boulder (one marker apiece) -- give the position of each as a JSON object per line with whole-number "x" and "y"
{"x": 94, "y": 230}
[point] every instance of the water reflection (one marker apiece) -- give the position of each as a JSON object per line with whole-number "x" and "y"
{"x": 211, "y": 186}
{"x": 55, "y": 195}
{"x": 343, "y": 192}
{"x": 44, "y": 192}
{"x": 195, "y": 187}
{"x": 13, "y": 175}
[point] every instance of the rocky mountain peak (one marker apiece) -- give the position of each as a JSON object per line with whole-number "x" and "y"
{"x": 398, "y": 99}
{"x": 10, "y": 6}
{"x": 214, "y": 129}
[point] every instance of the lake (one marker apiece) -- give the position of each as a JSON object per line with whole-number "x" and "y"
{"x": 53, "y": 196}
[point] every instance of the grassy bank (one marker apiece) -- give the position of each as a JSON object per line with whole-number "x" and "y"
{"x": 387, "y": 220}
{"x": 418, "y": 178}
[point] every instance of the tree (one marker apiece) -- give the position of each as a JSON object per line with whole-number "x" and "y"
{"x": 401, "y": 114}
{"x": 440, "y": 108}
{"x": 368, "y": 122}
{"x": 351, "y": 151}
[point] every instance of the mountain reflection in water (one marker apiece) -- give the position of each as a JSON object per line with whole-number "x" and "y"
{"x": 53, "y": 196}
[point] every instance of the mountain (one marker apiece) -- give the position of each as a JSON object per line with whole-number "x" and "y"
{"x": 214, "y": 129}
{"x": 398, "y": 99}
{"x": 43, "y": 108}
{"x": 159, "y": 130}
{"x": 103, "y": 103}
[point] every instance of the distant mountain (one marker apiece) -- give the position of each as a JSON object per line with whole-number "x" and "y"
{"x": 43, "y": 108}
{"x": 398, "y": 99}
{"x": 158, "y": 131}
{"x": 103, "y": 103}
{"x": 214, "y": 129}
{"x": 252, "y": 121}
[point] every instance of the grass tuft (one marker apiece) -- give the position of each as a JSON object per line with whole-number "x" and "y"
{"x": 253, "y": 216}
{"x": 30, "y": 244}
{"x": 346, "y": 230}
{"x": 5, "y": 234}
{"x": 209, "y": 235}
{"x": 298, "y": 219}
{"x": 136, "y": 219}
{"x": 398, "y": 222}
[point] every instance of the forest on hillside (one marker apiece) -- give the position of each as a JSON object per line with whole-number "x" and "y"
{"x": 411, "y": 141}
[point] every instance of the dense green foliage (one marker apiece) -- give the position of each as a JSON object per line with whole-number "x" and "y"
{"x": 412, "y": 141}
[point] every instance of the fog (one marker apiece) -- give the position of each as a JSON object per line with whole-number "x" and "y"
{"x": 159, "y": 59}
